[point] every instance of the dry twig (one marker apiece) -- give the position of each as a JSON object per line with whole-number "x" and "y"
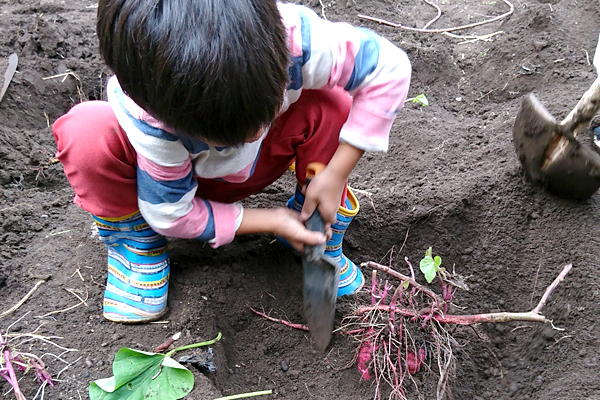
{"x": 426, "y": 30}
{"x": 81, "y": 301}
{"x": 23, "y": 300}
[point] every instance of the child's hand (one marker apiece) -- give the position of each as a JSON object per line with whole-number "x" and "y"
{"x": 325, "y": 189}
{"x": 282, "y": 222}
{"x": 295, "y": 233}
{"x": 325, "y": 193}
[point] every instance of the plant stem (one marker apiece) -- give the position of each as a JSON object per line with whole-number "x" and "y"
{"x": 13, "y": 377}
{"x": 23, "y": 300}
{"x": 461, "y": 319}
{"x": 403, "y": 278}
{"x": 191, "y": 346}
{"x": 552, "y": 286}
{"x": 533, "y": 315}
{"x": 281, "y": 321}
{"x": 245, "y": 395}
{"x": 374, "y": 287}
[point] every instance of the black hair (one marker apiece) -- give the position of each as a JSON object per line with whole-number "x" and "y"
{"x": 212, "y": 69}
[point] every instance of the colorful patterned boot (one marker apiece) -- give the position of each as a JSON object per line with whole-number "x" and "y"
{"x": 138, "y": 270}
{"x": 351, "y": 278}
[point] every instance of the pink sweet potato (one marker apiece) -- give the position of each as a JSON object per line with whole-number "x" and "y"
{"x": 415, "y": 360}
{"x": 365, "y": 355}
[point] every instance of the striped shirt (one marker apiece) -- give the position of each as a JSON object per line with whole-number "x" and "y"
{"x": 324, "y": 55}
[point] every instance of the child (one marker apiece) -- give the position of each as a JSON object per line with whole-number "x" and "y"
{"x": 212, "y": 101}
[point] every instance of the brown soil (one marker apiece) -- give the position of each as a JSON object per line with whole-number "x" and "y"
{"x": 451, "y": 180}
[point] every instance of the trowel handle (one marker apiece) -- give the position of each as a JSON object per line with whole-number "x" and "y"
{"x": 312, "y": 170}
{"x": 315, "y": 222}
{"x": 584, "y": 111}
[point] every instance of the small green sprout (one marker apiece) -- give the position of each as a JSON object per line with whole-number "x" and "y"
{"x": 430, "y": 265}
{"x": 421, "y": 99}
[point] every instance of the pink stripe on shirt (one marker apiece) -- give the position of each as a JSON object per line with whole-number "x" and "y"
{"x": 161, "y": 173}
{"x": 225, "y": 229}
{"x": 382, "y": 96}
{"x": 343, "y": 64}
{"x": 291, "y": 20}
{"x": 191, "y": 225}
{"x": 241, "y": 176}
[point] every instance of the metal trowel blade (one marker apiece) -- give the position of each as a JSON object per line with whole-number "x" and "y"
{"x": 535, "y": 129}
{"x": 321, "y": 278}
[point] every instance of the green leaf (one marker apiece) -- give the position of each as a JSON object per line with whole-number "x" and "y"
{"x": 140, "y": 375}
{"x": 130, "y": 363}
{"x": 106, "y": 384}
{"x": 406, "y": 284}
{"x": 421, "y": 99}
{"x": 429, "y": 266}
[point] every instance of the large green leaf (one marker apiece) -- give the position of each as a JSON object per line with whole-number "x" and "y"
{"x": 140, "y": 375}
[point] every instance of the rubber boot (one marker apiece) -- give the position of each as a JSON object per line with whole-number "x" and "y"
{"x": 138, "y": 270}
{"x": 351, "y": 278}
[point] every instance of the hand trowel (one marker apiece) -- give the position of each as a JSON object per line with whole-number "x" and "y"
{"x": 321, "y": 275}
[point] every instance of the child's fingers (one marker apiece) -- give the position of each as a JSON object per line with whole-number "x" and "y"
{"x": 307, "y": 238}
{"x": 329, "y": 214}
{"x": 312, "y": 238}
{"x": 309, "y": 207}
{"x": 328, "y": 231}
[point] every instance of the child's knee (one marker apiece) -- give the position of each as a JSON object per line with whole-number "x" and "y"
{"x": 97, "y": 159}
{"x": 83, "y": 122}
{"x": 90, "y": 132}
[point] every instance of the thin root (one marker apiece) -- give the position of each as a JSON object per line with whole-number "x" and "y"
{"x": 281, "y": 321}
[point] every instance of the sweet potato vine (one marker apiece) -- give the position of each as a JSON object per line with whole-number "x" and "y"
{"x": 403, "y": 329}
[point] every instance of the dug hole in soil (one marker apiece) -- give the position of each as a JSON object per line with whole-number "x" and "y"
{"x": 451, "y": 180}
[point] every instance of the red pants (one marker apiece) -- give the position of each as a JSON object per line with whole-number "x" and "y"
{"x": 100, "y": 163}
